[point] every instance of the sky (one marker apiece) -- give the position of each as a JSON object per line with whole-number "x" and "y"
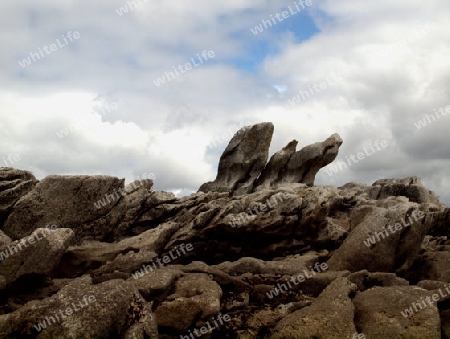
{"x": 157, "y": 88}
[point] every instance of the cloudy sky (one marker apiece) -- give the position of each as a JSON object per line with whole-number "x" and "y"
{"x": 79, "y": 88}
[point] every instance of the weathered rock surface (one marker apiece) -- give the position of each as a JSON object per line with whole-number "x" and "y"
{"x": 323, "y": 319}
{"x": 243, "y": 169}
{"x": 37, "y": 254}
{"x": 79, "y": 310}
{"x": 375, "y": 243}
{"x": 163, "y": 266}
{"x": 124, "y": 256}
{"x": 288, "y": 266}
{"x": 376, "y": 320}
{"x": 431, "y": 265}
{"x": 243, "y": 160}
{"x": 14, "y": 184}
{"x": 76, "y": 194}
{"x": 410, "y": 187}
{"x": 154, "y": 284}
{"x": 196, "y": 297}
{"x": 365, "y": 280}
{"x": 100, "y": 206}
{"x": 302, "y": 166}
{"x": 276, "y": 167}
{"x": 4, "y": 239}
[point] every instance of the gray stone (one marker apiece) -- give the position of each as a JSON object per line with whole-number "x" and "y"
{"x": 303, "y": 165}
{"x": 378, "y": 313}
{"x": 410, "y": 187}
{"x": 394, "y": 252}
{"x": 39, "y": 253}
{"x": 65, "y": 201}
{"x": 126, "y": 256}
{"x": 276, "y": 167}
{"x": 96, "y": 311}
{"x": 329, "y": 316}
{"x": 14, "y": 184}
{"x": 196, "y": 297}
{"x": 243, "y": 160}
{"x": 288, "y": 166}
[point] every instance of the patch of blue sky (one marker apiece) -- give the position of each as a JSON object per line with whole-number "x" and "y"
{"x": 299, "y": 27}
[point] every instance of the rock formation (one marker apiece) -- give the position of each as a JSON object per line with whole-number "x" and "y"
{"x": 288, "y": 166}
{"x": 243, "y": 160}
{"x": 243, "y": 168}
{"x": 270, "y": 256}
{"x": 276, "y": 167}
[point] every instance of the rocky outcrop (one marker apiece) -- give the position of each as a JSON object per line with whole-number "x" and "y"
{"x": 287, "y": 260}
{"x": 410, "y": 187}
{"x": 276, "y": 167}
{"x": 101, "y": 207}
{"x": 301, "y": 166}
{"x": 242, "y": 161}
{"x": 243, "y": 168}
{"x": 76, "y": 194}
{"x": 304, "y": 164}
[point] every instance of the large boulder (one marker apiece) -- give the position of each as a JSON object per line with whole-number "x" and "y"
{"x": 37, "y": 254}
{"x": 98, "y": 207}
{"x": 397, "y": 312}
{"x": 65, "y": 201}
{"x": 365, "y": 280}
{"x": 196, "y": 297}
{"x": 128, "y": 210}
{"x": 243, "y": 160}
{"x": 383, "y": 239}
{"x": 329, "y": 316}
{"x": 410, "y": 187}
{"x": 291, "y": 219}
{"x": 80, "y": 310}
